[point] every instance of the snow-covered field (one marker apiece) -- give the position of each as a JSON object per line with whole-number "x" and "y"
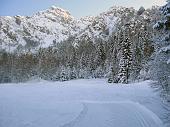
{"x": 80, "y": 103}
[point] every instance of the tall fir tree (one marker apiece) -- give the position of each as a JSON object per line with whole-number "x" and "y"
{"x": 126, "y": 57}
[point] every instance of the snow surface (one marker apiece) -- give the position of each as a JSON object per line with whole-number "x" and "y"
{"x": 80, "y": 103}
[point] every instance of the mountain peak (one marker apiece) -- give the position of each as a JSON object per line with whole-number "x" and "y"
{"x": 60, "y": 11}
{"x": 57, "y": 8}
{"x": 54, "y": 13}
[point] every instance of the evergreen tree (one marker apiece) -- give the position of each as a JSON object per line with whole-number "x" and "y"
{"x": 126, "y": 57}
{"x": 160, "y": 69}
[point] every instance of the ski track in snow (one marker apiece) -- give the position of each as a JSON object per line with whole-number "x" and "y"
{"x": 78, "y": 118}
{"x": 108, "y": 114}
{"x": 79, "y": 103}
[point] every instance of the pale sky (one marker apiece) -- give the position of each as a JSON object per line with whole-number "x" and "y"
{"x": 78, "y": 8}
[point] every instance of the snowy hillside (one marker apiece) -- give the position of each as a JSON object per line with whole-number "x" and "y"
{"x": 80, "y": 103}
{"x": 48, "y": 27}
{"x": 43, "y": 29}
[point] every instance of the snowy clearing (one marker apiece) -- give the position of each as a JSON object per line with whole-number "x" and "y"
{"x": 80, "y": 103}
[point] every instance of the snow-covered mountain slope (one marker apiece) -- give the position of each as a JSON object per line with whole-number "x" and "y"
{"x": 45, "y": 28}
{"x": 42, "y": 29}
{"x": 80, "y": 103}
{"x": 53, "y": 25}
{"x": 105, "y": 24}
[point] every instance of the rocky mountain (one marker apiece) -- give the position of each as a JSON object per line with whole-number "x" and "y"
{"x": 48, "y": 27}
{"x": 40, "y": 30}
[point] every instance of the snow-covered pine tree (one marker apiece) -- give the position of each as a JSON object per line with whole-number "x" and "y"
{"x": 160, "y": 69}
{"x": 126, "y": 57}
{"x": 112, "y": 57}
